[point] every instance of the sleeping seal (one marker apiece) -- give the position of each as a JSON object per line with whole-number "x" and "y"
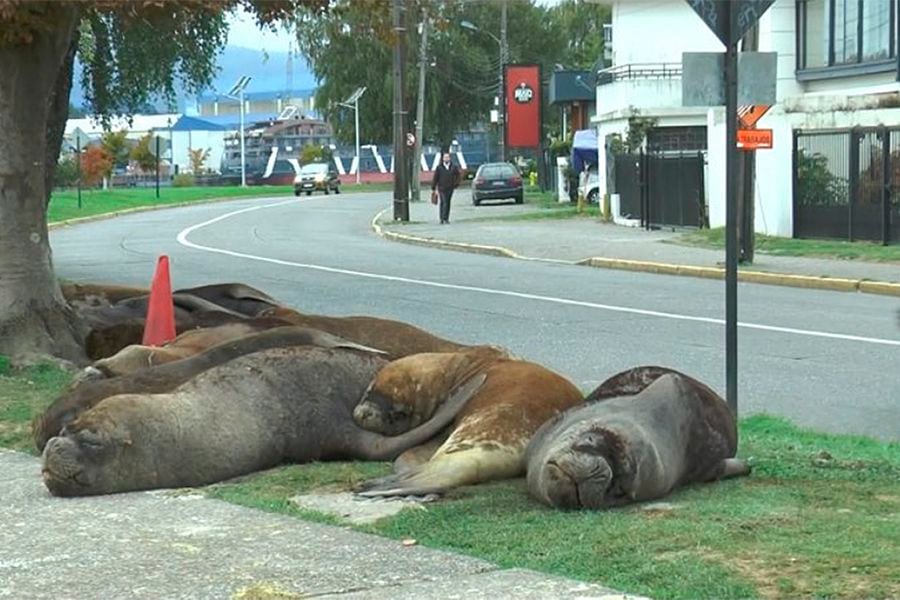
{"x": 488, "y": 439}
{"x": 252, "y": 413}
{"x": 672, "y": 432}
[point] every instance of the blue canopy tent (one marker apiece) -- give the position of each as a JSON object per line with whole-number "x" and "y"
{"x": 584, "y": 150}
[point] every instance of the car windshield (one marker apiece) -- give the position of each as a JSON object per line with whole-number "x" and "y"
{"x": 498, "y": 171}
{"x": 314, "y": 169}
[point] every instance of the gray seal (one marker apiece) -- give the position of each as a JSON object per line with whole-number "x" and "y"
{"x": 83, "y": 394}
{"x": 671, "y": 432}
{"x": 252, "y": 413}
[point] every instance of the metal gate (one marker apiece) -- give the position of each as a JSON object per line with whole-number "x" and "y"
{"x": 843, "y": 182}
{"x": 661, "y": 188}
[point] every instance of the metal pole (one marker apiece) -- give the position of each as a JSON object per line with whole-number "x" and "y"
{"x": 401, "y": 188}
{"x": 501, "y": 108}
{"x": 356, "y": 127}
{"x": 157, "y": 166}
{"x": 78, "y": 161}
{"x": 731, "y": 182}
{"x": 420, "y": 111}
{"x": 243, "y": 161}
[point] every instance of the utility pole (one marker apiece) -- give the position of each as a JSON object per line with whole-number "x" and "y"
{"x": 401, "y": 187}
{"x": 746, "y": 225}
{"x": 501, "y": 108}
{"x": 420, "y": 110}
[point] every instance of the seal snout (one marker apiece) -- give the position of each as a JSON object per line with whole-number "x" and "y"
{"x": 61, "y": 470}
{"x": 368, "y": 416}
{"x": 575, "y": 479}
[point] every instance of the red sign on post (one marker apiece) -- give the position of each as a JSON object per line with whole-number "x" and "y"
{"x": 754, "y": 139}
{"x": 523, "y": 106}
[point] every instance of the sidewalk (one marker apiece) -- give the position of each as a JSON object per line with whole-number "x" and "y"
{"x": 589, "y": 241}
{"x": 168, "y": 544}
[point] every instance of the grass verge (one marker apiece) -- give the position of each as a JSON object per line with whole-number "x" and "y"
{"x": 64, "y": 203}
{"x": 820, "y": 516}
{"x": 867, "y": 251}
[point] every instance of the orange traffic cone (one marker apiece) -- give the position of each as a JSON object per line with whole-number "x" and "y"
{"x": 160, "y": 325}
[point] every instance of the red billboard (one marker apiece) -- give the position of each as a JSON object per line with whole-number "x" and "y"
{"x": 522, "y": 84}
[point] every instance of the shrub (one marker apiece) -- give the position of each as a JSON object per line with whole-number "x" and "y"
{"x": 183, "y": 180}
{"x": 817, "y": 185}
{"x": 66, "y": 172}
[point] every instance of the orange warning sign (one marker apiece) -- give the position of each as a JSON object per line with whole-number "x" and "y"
{"x": 749, "y": 115}
{"x": 754, "y": 139}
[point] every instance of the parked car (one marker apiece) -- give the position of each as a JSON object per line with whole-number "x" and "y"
{"x": 317, "y": 176}
{"x": 497, "y": 181}
{"x": 592, "y": 187}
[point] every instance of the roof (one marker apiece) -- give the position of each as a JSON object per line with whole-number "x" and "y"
{"x": 138, "y": 124}
{"x": 187, "y": 123}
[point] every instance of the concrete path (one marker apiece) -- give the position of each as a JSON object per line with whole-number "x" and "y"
{"x": 573, "y": 240}
{"x": 182, "y": 545}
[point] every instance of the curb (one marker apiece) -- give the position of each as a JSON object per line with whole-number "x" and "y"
{"x": 783, "y": 279}
{"x": 148, "y": 208}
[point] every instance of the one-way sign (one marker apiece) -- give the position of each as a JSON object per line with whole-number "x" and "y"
{"x": 715, "y": 14}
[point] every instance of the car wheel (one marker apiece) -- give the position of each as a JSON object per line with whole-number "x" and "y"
{"x": 593, "y": 197}
{"x": 520, "y": 199}
{"x": 337, "y": 189}
{"x": 309, "y": 193}
{"x": 475, "y": 201}
{"x": 326, "y": 191}
{"x": 296, "y": 192}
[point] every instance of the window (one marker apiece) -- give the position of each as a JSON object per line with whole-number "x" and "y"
{"x": 846, "y": 33}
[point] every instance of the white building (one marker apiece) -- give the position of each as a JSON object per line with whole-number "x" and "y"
{"x": 837, "y": 69}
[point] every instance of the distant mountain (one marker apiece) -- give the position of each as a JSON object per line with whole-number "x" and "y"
{"x": 268, "y": 70}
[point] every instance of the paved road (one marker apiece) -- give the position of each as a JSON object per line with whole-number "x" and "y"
{"x": 829, "y": 360}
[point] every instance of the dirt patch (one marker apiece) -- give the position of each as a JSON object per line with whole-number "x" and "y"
{"x": 265, "y": 591}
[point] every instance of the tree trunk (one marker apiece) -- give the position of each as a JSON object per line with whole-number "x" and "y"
{"x": 34, "y": 317}
{"x": 59, "y": 113}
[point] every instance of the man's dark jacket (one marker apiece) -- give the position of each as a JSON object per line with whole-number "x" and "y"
{"x": 445, "y": 179}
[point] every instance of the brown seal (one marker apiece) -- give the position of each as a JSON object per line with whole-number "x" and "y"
{"x": 85, "y": 393}
{"x": 187, "y": 344}
{"x": 394, "y": 337}
{"x": 80, "y": 295}
{"x": 667, "y": 433}
{"x": 252, "y": 413}
{"x": 488, "y": 439}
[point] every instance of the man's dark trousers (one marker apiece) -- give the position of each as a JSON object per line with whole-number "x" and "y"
{"x": 445, "y": 196}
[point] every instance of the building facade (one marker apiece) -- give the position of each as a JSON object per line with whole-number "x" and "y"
{"x": 837, "y": 76}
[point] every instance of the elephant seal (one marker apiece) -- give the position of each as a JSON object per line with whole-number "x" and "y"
{"x": 235, "y": 297}
{"x": 83, "y": 394}
{"x": 252, "y": 413}
{"x": 488, "y": 439}
{"x": 632, "y": 448}
{"x": 394, "y": 337}
{"x": 135, "y": 357}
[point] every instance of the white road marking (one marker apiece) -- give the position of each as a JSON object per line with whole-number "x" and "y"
{"x": 184, "y": 241}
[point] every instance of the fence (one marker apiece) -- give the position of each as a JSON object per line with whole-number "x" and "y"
{"x": 665, "y": 188}
{"x": 843, "y": 182}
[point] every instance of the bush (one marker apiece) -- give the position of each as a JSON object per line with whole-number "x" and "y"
{"x": 66, "y": 172}
{"x": 183, "y": 180}
{"x": 817, "y": 185}
{"x": 5, "y": 365}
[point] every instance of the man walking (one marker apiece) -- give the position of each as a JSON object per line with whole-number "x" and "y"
{"x": 446, "y": 178}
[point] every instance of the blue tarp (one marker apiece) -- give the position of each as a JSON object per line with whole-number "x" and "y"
{"x": 584, "y": 149}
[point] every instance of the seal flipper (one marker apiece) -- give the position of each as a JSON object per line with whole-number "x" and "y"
{"x": 734, "y": 467}
{"x": 373, "y": 446}
{"x": 430, "y": 478}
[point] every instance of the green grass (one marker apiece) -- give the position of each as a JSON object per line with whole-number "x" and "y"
{"x": 64, "y": 203}
{"x": 547, "y": 207}
{"x": 868, "y": 251}
{"x": 819, "y": 516}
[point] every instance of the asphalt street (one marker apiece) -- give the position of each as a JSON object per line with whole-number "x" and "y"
{"x": 828, "y": 360}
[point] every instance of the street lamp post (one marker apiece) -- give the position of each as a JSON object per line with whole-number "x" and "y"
{"x": 237, "y": 93}
{"x": 501, "y": 42}
{"x": 353, "y": 102}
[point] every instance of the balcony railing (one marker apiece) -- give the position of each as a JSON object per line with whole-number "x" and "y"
{"x": 639, "y": 71}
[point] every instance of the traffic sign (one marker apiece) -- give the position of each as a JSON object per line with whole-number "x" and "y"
{"x": 715, "y": 14}
{"x": 754, "y": 139}
{"x": 750, "y": 114}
